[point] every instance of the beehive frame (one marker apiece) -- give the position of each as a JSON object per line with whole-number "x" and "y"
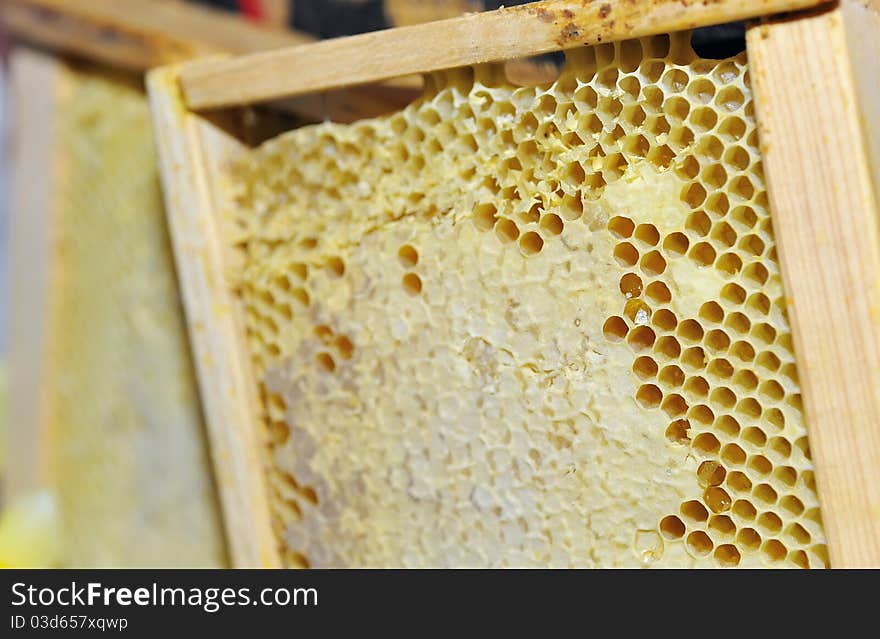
{"x": 823, "y": 197}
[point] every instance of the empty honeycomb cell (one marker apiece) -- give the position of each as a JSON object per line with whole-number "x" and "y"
{"x": 677, "y": 431}
{"x": 694, "y": 511}
{"x": 344, "y": 347}
{"x": 653, "y": 264}
{"x": 641, "y": 338}
{"x": 572, "y": 207}
{"x": 691, "y": 331}
{"x": 507, "y": 230}
{"x": 485, "y": 216}
{"x": 703, "y": 253}
{"x": 676, "y": 243}
{"x": 744, "y": 509}
{"x": 710, "y": 148}
{"x": 765, "y": 494}
{"x": 552, "y": 224}
{"x": 738, "y": 322}
{"x": 674, "y": 405}
{"x": 760, "y": 464}
{"x": 703, "y": 415}
{"x": 649, "y": 395}
{"x": 697, "y": 386}
{"x": 658, "y": 292}
{"x": 743, "y": 351}
{"x": 750, "y": 408}
{"x": 632, "y": 189}
{"x": 798, "y": 533}
{"x": 694, "y": 358}
{"x": 800, "y": 559}
{"x": 412, "y": 284}
{"x": 721, "y": 369}
{"x": 699, "y": 543}
{"x": 703, "y": 119}
{"x": 730, "y": 98}
{"x": 749, "y": 539}
{"x": 779, "y": 447}
{"x": 722, "y": 526}
{"x": 717, "y": 203}
{"x": 733, "y": 293}
{"x": 774, "y": 550}
{"x": 715, "y": 176}
{"x": 739, "y": 482}
{"x": 772, "y": 390}
{"x": 621, "y": 226}
{"x": 730, "y": 263}
{"x": 694, "y": 195}
{"x": 727, "y": 555}
{"x": 336, "y": 266}
{"x": 733, "y": 455}
{"x": 769, "y": 522}
{"x": 688, "y": 168}
{"x": 760, "y": 304}
{"x": 672, "y": 376}
{"x": 408, "y": 256}
{"x": 644, "y": 367}
{"x": 664, "y": 319}
{"x": 647, "y": 234}
{"x": 637, "y": 311}
{"x": 755, "y": 436}
{"x": 615, "y": 328}
{"x": 723, "y": 397}
{"x": 325, "y": 362}
{"x": 706, "y": 444}
{"x": 631, "y": 285}
{"x": 717, "y": 499}
{"x": 301, "y": 295}
{"x": 531, "y": 243}
{"x": 717, "y": 341}
{"x": 674, "y": 80}
{"x": 661, "y": 156}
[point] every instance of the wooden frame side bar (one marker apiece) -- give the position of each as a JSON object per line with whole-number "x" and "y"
{"x": 514, "y": 32}
{"x": 35, "y": 79}
{"x": 191, "y": 150}
{"x": 818, "y": 111}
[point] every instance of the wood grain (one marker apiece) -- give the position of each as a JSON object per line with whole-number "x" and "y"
{"x": 538, "y": 27}
{"x": 139, "y": 35}
{"x": 34, "y": 88}
{"x": 191, "y": 152}
{"x": 818, "y": 108}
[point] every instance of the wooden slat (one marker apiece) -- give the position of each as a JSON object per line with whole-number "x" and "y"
{"x": 34, "y": 90}
{"x": 138, "y": 34}
{"x": 142, "y": 34}
{"x": 817, "y": 99}
{"x": 191, "y": 151}
{"x": 513, "y": 32}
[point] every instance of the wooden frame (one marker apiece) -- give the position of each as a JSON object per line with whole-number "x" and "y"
{"x": 824, "y": 200}
{"x": 137, "y": 35}
{"x": 819, "y": 113}
{"x": 34, "y": 82}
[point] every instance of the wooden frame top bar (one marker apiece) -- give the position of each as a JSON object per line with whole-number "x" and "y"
{"x": 139, "y": 35}
{"x": 525, "y": 30}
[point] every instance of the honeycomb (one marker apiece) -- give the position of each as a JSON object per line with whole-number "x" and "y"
{"x": 529, "y": 326}
{"x": 126, "y": 451}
